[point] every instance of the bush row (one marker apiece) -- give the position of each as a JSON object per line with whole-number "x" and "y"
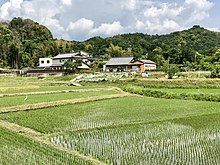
{"x": 160, "y": 94}
{"x": 180, "y": 83}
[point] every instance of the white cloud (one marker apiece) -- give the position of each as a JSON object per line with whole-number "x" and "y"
{"x": 198, "y": 10}
{"x": 165, "y": 10}
{"x": 200, "y": 4}
{"x": 80, "y": 19}
{"x": 13, "y": 6}
{"x": 108, "y": 29}
{"x": 213, "y": 29}
{"x": 81, "y": 26}
{"x": 67, "y": 2}
{"x": 129, "y": 4}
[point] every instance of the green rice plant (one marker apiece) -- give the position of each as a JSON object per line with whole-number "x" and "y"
{"x": 109, "y": 113}
{"x": 42, "y": 105}
{"x": 39, "y": 98}
{"x": 187, "y": 94}
{"x": 159, "y": 143}
{"x": 16, "y": 149}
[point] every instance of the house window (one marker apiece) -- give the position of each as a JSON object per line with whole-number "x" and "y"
{"x": 48, "y": 61}
{"x": 42, "y": 62}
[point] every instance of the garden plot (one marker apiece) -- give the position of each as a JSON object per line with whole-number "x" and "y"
{"x": 111, "y": 112}
{"x": 158, "y": 143}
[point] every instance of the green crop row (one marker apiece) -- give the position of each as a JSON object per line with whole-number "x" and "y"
{"x": 32, "y": 99}
{"x": 157, "y": 93}
{"x": 164, "y": 83}
{"x": 112, "y": 112}
{"x": 158, "y": 143}
{"x": 16, "y": 149}
{"x": 179, "y": 83}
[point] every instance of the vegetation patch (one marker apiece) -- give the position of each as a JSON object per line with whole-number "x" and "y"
{"x": 163, "y": 143}
{"x": 207, "y": 95}
{"x": 58, "y": 103}
{"x": 16, "y": 149}
{"x": 105, "y": 113}
{"x": 42, "y": 98}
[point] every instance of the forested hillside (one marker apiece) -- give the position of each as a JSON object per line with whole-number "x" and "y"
{"x": 22, "y": 42}
{"x": 197, "y": 46}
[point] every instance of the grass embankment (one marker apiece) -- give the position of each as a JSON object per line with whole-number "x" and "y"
{"x": 175, "y": 83}
{"x": 186, "y": 94}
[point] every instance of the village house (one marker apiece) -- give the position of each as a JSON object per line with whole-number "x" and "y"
{"x": 57, "y": 62}
{"x": 129, "y": 64}
{"x": 149, "y": 65}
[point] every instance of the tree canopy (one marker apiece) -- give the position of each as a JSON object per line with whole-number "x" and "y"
{"x": 23, "y": 41}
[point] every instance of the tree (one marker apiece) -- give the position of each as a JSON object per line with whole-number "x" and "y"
{"x": 215, "y": 70}
{"x": 98, "y": 65}
{"x": 72, "y": 67}
{"x": 170, "y": 69}
{"x": 216, "y": 56}
{"x": 115, "y": 51}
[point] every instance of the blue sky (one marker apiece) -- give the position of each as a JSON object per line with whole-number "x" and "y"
{"x": 82, "y": 19}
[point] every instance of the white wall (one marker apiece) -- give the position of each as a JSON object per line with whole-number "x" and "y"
{"x": 150, "y": 67}
{"x": 60, "y": 61}
{"x": 45, "y": 62}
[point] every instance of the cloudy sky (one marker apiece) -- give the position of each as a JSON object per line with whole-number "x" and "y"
{"x": 82, "y": 19}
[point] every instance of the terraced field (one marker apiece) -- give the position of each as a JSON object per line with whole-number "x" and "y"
{"x": 104, "y": 113}
{"x": 96, "y": 125}
{"x": 16, "y": 149}
{"x": 35, "y": 98}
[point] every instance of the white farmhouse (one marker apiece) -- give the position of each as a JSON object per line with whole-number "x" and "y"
{"x": 45, "y": 62}
{"x": 57, "y": 62}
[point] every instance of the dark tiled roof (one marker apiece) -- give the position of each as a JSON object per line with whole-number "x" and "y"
{"x": 70, "y": 55}
{"x": 148, "y": 62}
{"x": 119, "y": 61}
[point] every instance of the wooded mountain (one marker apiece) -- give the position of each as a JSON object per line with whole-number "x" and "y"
{"x": 23, "y": 41}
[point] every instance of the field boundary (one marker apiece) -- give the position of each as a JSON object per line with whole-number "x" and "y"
{"x": 39, "y": 137}
{"x": 60, "y": 91}
{"x": 61, "y": 103}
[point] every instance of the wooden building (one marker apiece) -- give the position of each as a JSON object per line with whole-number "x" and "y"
{"x": 128, "y": 64}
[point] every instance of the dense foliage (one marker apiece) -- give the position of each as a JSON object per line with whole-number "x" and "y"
{"x": 22, "y": 42}
{"x": 196, "y": 48}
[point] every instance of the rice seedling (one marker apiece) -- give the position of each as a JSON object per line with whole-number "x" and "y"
{"x": 27, "y": 107}
{"x": 64, "y": 95}
{"x": 16, "y": 149}
{"x": 110, "y": 112}
{"x": 159, "y": 143}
